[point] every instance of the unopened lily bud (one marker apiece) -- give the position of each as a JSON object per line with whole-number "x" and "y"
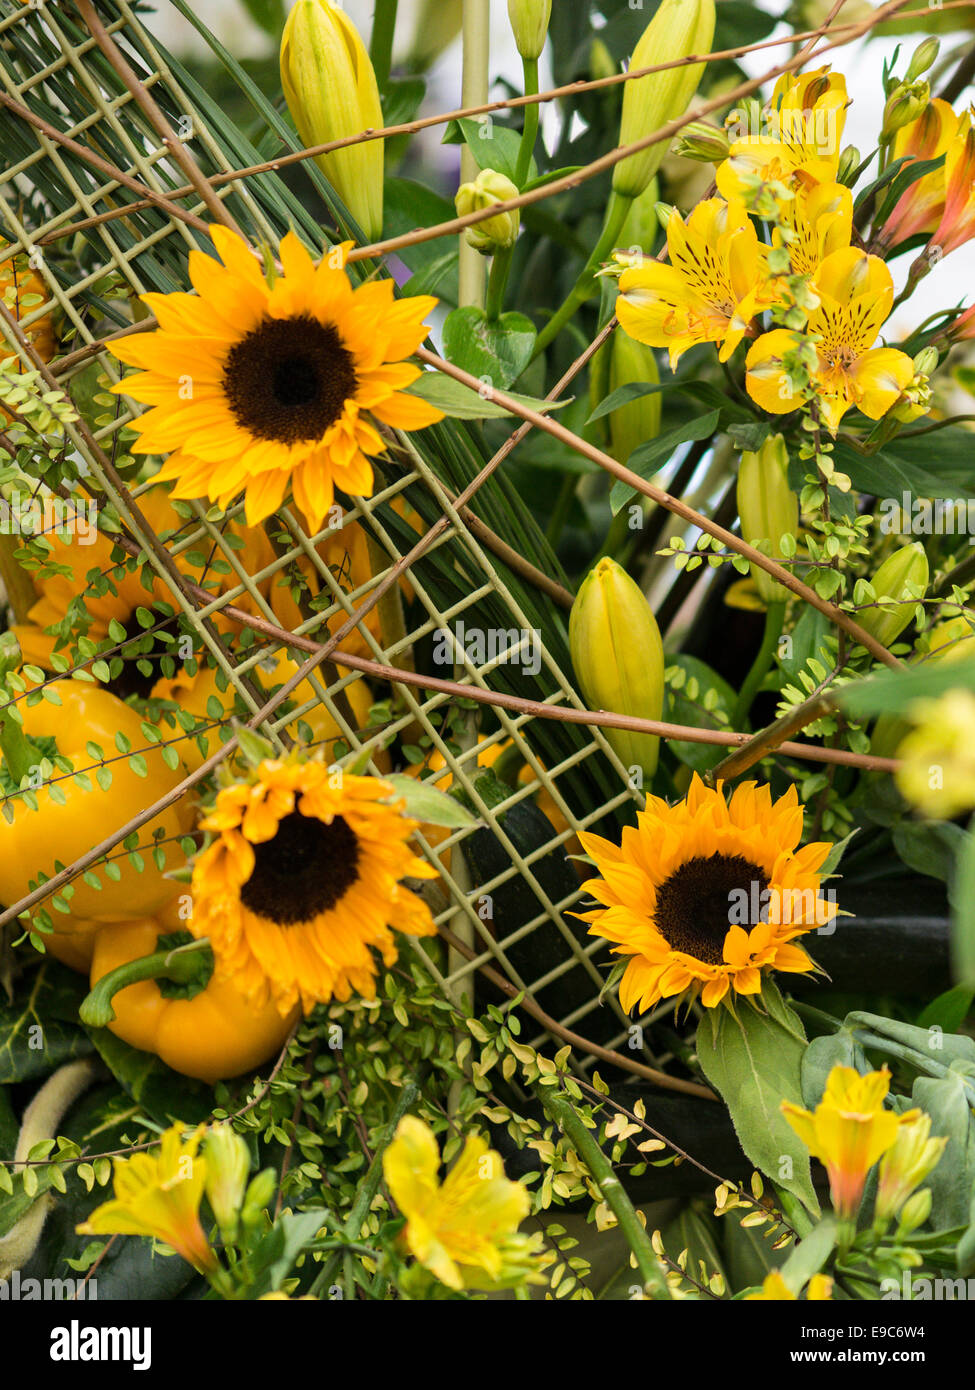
{"x": 926, "y": 361}
{"x": 529, "y": 24}
{"x": 228, "y": 1165}
{"x": 702, "y": 141}
{"x": 618, "y": 658}
{"x": 639, "y": 420}
{"x": 438, "y": 22}
{"x": 904, "y": 105}
{"x": 330, "y": 87}
{"x": 679, "y": 29}
{"x": 923, "y": 58}
{"x": 848, "y": 165}
{"x": 768, "y": 508}
{"x": 494, "y": 233}
{"x": 902, "y": 579}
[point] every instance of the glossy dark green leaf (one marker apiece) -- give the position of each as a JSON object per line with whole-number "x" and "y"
{"x": 651, "y": 456}
{"x": 496, "y": 352}
{"x": 39, "y": 1030}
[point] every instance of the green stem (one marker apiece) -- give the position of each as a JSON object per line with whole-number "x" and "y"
{"x": 616, "y": 211}
{"x": 367, "y": 1190}
{"x": 497, "y": 280}
{"x": 618, "y": 533}
{"x": 762, "y": 662}
{"x": 181, "y": 964}
{"x": 611, "y": 1189}
{"x": 381, "y": 40}
{"x": 529, "y": 133}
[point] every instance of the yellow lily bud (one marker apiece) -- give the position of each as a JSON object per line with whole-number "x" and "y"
{"x": 922, "y": 58}
{"x": 639, "y": 420}
{"x": 228, "y": 1166}
{"x": 902, "y": 577}
{"x": 641, "y": 229}
{"x": 529, "y": 23}
{"x": 330, "y": 87}
{"x": 618, "y": 658}
{"x": 768, "y": 508}
{"x": 494, "y": 233}
{"x": 678, "y": 29}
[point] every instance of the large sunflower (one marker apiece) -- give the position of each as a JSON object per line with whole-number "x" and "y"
{"x": 253, "y": 386}
{"x": 704, "y": 895}
{"x": 303, "y": 879}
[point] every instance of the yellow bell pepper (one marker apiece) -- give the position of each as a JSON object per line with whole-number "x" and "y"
{"x": 69, "y": 819}
{"x": 201, "y": 1027}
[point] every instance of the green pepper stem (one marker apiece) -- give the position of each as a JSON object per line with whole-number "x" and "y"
{"x": 182, "y": 964}
{"x": 616, "y": 212}
{"x": 571, "y": 1123}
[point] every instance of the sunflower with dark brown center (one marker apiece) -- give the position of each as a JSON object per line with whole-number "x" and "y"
{"x": 303, "y": 883}
{"x": 255, "y": 387}
{"x": 705, "y": 895}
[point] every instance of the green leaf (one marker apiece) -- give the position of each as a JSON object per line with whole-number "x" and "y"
{"x": 268, "y": 15}
{"x": 962, "y": 896}
{"x": 839, "y": 1049}
{"x": 650, "y": 456}
{"x": 463, "y": 403}
{"x": 164, "y": 1094}
{"x": 946, "y": 1100}
{"x": 40, "y": 1030}
{"x": 272, "y": 1260}
{"x": 890, "y": 691}
{"x": 949, "y": 1011}
{"x": 753, "y": 1060}
{"x": 424, "y": 803}
{"x": 623, "y": 395}
{"x": 809, "y": 1256}
{"x": 493, "y": 146}
{"x": 497, "y": 352}
{"x": 930, "y": 847}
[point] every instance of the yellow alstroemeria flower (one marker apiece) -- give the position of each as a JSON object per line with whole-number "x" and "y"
{"x": 159, "y": 1195}
{"x": 776, "y": 1290}
{"x": 802, "y": 127}
{"x": 848, "y": 1131}
{"x": 820, "y": 218}
{"x": 856, "y": 293}
{"x": 464, "y": 1229}
{"x": 957, "y": 223}
{"x": 905, "y": 1165}
{"x": 921, "y": 206}
{"x": 714, "y": 285}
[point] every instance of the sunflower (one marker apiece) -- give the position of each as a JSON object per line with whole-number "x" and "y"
{"x": 704, "y": 895}
{"x": 253, "y": 386}
{"x": 303, "y": 879}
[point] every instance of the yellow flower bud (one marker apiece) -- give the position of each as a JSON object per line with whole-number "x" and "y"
{"x": 228, "y": 1164}
{"x": 904, "y": 105}
{"x": 258, "y": 1196}
{"x": 922, "y": 58}
{"x": 678, "y": 29}
{"x": 915, "y": 1212}
{"x": 639, "y": 420}
{"x": 905, "y": 1166}
{"x": 494, "y": 233}
{"x": 947, "y": 641}
{"x": 937, "y": 772}
{"x": 330, "y": 87}
{"x": 619, "y": 658}
{"x": 529, "y": 23}
{"x": 768, "y": 508}
{"x": 703, "y": 141}
{"x": 902, "y": 577}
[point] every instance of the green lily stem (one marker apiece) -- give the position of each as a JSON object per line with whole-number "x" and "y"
{"x": 497, "y": 280}
{"x": 616, "y": 212}
{"x": 763, "y": 661}
{"x": 529, "y": 133}
{"x": 181, "y": 964}
{"x": 618, "y": 534}
{"x": 367, "y": 1190}
{"x": 611, "y": 1189}
{"x": 381, "y": 40}
{"x": 560, "y": 511}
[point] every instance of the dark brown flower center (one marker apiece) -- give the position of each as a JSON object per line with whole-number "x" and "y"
{"x": 289, "y": 379}
{"x": 703, "y": 898}
{"x": 305, "y": 869}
